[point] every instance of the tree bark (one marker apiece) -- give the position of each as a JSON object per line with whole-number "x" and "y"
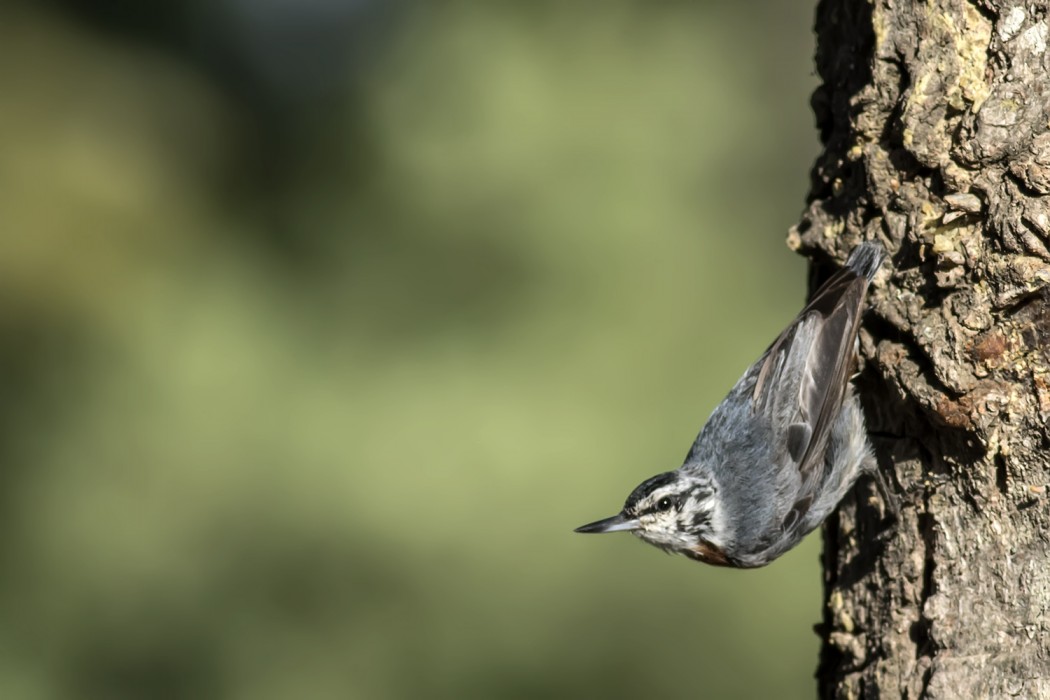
{"x": 934, "y": 119}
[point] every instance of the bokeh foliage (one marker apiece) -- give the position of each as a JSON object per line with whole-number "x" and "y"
{"x": 305, "y": 389}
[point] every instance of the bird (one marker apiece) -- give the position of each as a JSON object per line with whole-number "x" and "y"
{"x": 781, "y": 450}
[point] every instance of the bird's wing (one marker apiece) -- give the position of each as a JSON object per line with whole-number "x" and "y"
{"x": 801, "y": 384}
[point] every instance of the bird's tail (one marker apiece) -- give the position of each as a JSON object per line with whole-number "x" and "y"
{"x": 866, "y": 258}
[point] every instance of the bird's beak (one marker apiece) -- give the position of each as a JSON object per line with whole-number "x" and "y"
{"x": 616, "y": 523}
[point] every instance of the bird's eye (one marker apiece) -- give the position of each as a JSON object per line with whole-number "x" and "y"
{"x": 664, "y": 504}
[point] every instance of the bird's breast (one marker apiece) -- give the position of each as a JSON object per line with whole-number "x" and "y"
{"x": 708, "y": 554}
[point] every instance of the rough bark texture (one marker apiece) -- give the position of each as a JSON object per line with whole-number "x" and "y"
{"x": 934, "y": 118}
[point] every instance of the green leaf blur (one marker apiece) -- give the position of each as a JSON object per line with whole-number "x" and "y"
{"x": 319, "y": 424}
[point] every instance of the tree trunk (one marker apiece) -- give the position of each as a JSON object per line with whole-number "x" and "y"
{"x": 934, "y": 119}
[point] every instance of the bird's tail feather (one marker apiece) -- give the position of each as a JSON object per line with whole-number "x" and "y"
{"x": 866, "y": 258}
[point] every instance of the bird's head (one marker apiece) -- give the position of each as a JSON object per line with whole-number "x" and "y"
{"x": 675, "y": 511}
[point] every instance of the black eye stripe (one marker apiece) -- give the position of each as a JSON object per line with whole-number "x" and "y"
{"x": 701, "y": 493}
{"x": 665, "y": 503}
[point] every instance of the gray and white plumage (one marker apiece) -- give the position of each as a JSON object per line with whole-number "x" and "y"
{"x": 780, "y": 451}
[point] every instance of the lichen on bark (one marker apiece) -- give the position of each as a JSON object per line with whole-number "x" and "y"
{"x": 935, "y": 120}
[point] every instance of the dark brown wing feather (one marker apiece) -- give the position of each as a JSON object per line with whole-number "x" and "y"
{"x": 816, "y": 351}
{"x": 831, "y": 360}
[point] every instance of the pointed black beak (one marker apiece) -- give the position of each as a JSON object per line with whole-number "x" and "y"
{"x": 616, "y": 523}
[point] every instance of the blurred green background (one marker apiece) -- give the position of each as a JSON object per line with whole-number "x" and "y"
{"x": 324, "y": 323}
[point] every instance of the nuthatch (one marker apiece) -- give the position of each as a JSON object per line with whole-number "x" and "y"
{"x": 780, "y": 451}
